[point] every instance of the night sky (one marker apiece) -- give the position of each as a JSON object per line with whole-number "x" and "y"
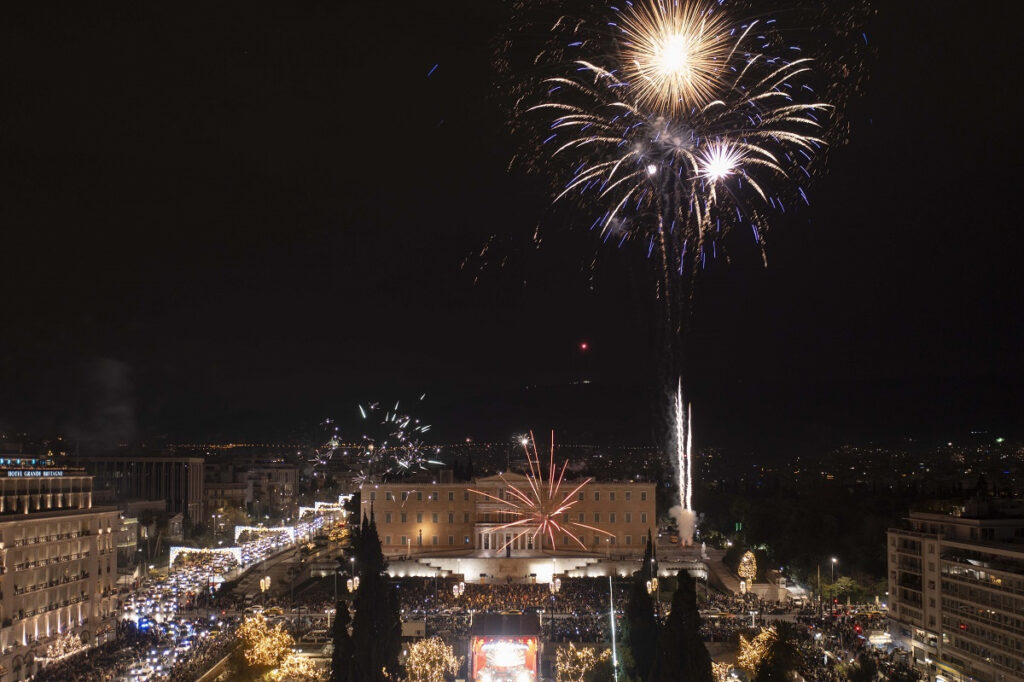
{"x": 227, "y": 221}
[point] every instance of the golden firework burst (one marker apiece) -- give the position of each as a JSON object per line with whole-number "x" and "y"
{"x": 674, "y": 53}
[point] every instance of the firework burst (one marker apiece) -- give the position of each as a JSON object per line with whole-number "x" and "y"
{"x": 537, "y": 505}
{"x": 393, "y": 444}
{"x": 674, "y": 53}
{"x": 720, "y": 139}
{"x": 671, "y": 123}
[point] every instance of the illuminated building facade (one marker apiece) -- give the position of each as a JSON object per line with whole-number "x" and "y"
{"x": 58, "y": 563}
{"x": 427, "y": 518}
{"x": 956, "y": 594}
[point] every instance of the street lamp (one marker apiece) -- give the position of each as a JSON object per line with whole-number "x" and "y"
{"x": 458, "y": 589}
{"x": 264, "y": 586}
{"x": 834, "y": 562}
{"x": 652, "y": 586}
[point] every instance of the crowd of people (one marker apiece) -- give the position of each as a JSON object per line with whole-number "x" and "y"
{"x": 107, "y": 662}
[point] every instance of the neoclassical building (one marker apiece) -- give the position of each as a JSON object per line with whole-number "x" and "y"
{"x": 58, "y": 563}
{"x": 450, "y": 519}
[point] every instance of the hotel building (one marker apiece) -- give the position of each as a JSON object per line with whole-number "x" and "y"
{"x": 956, "y": 594}
{"x": 449, "y": 519}
{"x": 58, "y": 563}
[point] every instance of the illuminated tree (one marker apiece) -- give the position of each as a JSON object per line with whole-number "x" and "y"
{"x": 748, "y": 567}
{"x": 431, "y": 660}
{"x": 295, "y": 668}
{"x": 262, "y": 646}
{"x": 752, "y": 652}
{"x": 783, "y": 657}
{"x": 572, "y": 664}
{"x": 721, "y": 671}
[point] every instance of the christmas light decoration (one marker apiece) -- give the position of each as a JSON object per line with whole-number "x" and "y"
{"x": 430, "y": 660}
{"x": 572, "y": 664}
{"x": 64, "y": 645}
{"x": 720, "y": 671}
{"x": 748, "y": 566}
{"x": 752, "y": 652}
{"x": 296, "y": 668}
{"x": 263, "y": 646}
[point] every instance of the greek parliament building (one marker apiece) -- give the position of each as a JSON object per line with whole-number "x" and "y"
{"x": 58, "y": 566}
{"x": 449, "y": 519}
{"x": 956, "y": 593}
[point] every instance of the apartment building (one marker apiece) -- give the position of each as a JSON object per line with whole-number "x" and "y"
{"x": 58, "y": 563}
{"x": 421, "y": 518}
{"x": 178, "y": 480}
{"x": 956, "y": 593}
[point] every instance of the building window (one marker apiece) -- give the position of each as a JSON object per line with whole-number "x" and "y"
{"x": 466, "y": 541}
{"x": 581, "y": 496}
{"x": 597, "y": 517}
{"x": 389, "y": 497}
{"x": 629, "y": 517}
{"x": 611, "y": 496}
{"x": 419, "y": 517}
{"x": 611, "y": 517}
{"x": 387, "y": 517}
{"x": 581, "y": 517}
{"x": 597, "y": 541}
{"x": 565, "y": 517}
{"x": 451, "y": 496}
{"x": 373, "y": 495}
{"x": 433, "y": 517}
{"x": 465, "y": 517}
{"x": 643, "y": 496}
{"x": 611, "y": 540}
{"x": 465, "y": 496}
{"x": 405, "y": 517}
{"x": 597, "y": 496}
{"x": 433, "y": 540}
{"x": 583, "y": 541}
{"x": 565, "y": 539}
{"x": 405, "y": 540}
{"x": 629, "y": 539}
{"x": 451, "y": 518}
{"x": 419, "y": 496}
{"x": 629, "y": 496}
{"x": 643, "y": 539}
{"x": 643, "y": 517}
{"x": 387, "y": 539}
{"x": 451, "y": 539}
{"x": 405, "y": 495}
{"x": 433, "y": 496}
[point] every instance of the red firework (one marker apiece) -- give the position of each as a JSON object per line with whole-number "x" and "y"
{"x": 538, "y": 507}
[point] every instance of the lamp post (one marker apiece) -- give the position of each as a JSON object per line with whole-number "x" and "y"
{"x": 834, "y": 562}
{"x": 264, "y": 587}
{"x": 555, "y": 586}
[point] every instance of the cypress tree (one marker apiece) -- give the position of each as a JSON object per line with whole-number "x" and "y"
{"x": 642, "y": 627}
{"x": 341, "y": 658}
{"x": 682, "y": 656}
{"x": 376, "y": 628}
